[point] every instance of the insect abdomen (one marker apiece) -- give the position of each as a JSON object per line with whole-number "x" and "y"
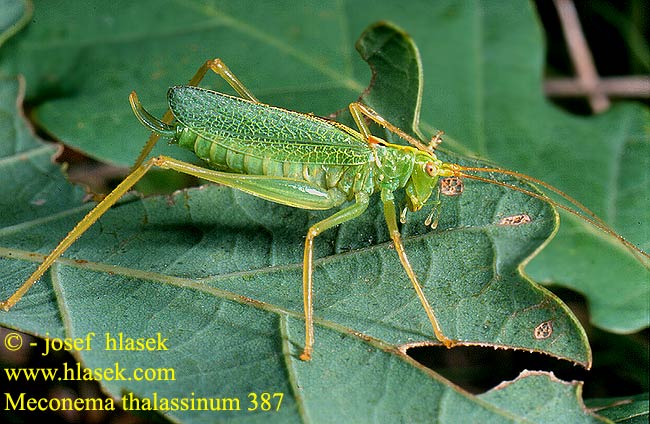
{"x": 347, "y": 178}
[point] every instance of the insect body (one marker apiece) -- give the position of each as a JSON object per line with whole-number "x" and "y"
{"x": 301, "y": 161}
{"x": 325, "y": 164}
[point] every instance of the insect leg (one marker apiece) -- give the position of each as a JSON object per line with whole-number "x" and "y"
{"x": 357, "y": 115}
{"x": 286, "y": 191}
{"x": 351, "y": 212}
{"x": 77, "y": 231}
{"x": 359, "y": 110}
{"x": 220, "y": 69}
{"x": 280, "y": 190}
{"x": 391, "y": 222}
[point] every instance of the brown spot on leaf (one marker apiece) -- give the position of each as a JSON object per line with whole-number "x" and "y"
{"x": 451, "y": 186}
{"x": 515, "y": 220}
{"x": 543, "y": 330}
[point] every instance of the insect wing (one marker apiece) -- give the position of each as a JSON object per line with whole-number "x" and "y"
{"x": 263, "y": 131}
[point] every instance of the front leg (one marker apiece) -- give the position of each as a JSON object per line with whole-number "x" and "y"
{"x": 391, "y": 222}
{"x": 359, "y": 110}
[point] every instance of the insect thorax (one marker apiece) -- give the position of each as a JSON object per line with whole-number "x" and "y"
{"x": 407, "y": 167}
{"x": 393, "y": 166}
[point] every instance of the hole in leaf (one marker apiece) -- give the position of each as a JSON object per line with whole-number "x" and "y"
{"x": 478, "y": 369}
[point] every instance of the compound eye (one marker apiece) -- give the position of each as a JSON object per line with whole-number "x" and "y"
{"x": 431, "y": 169}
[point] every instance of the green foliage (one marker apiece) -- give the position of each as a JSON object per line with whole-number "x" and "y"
{"x": 540, "y": 397}
{"x": 628, "y": 410}
{"x": 217, "y": 272}
{"x": 482, "y": 86}
{"x": 232, "y": 313}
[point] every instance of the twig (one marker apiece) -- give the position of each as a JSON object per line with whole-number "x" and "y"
{"x": 580, "y": 55}
{"x": 629, "y": 86}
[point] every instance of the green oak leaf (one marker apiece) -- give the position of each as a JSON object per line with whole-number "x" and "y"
{"x": 226, "y": 286}
{"x": 482, "y": 70}
{"x": 223, "y": 292}
{"x": 540, "y": 397}
{"x": 627, "y": 410}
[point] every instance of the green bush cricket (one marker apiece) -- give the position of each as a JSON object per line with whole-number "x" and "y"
{"x": 303, "y": 161}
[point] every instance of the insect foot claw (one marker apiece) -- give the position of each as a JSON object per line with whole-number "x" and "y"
{"x": 448, "y": 343}
{"x": 305, "y": 356}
